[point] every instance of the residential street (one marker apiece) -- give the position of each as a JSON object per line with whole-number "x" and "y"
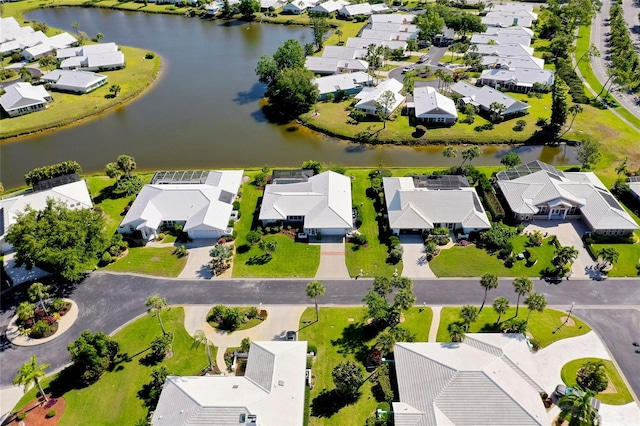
{"x": 106, "y": 301}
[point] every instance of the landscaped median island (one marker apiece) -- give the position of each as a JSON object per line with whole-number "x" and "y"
{"x": 601, "y": 375}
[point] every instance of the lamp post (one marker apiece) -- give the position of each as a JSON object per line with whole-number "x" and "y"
{"x": 566, "y": 319}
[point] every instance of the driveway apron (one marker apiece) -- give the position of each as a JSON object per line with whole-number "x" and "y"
{"x": 332, "y": 258}
{"x": 415, "y": 263}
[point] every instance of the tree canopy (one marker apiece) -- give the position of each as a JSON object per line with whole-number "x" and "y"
{"x": 63, "y": 241}
{"x": 292, "y": 93}
{"x": 92, "y": 354}
{"x": 347, "y": 377}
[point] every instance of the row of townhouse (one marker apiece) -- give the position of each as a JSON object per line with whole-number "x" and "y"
{"x": 31, "y": 44}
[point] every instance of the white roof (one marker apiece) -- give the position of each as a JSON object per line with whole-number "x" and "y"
{"x": 324, "y": 200}
{"x": 635, "y": 188}
{"x": 509, "y": 30}
{"x": 73, "y": 62}
{"x": 519, "y": 76}
{"x": 206, "y": 204}
{"x": 108, "y": 59}
{"x": 483, "y": 381}
{"x": 272, "y": 389}
{"x": 509, "y": 62}
{"x": 386, "y": 35}
{"x": 345, "y": 81}
{"x": 363, "y": 43}
{"x": 75, "y": 195}
{"x": 369, "y": 96}
{"x": 324, "y": 65}
{"x": 409, "y": 207}
{"x": 429, "y": 103}
{"x": 62, "y": 40}
{"x": 73, "y": 78}
{"x": 505, "y": 21}
{"x": 583, "y": 190}
{"x": 396, "y": 28}
{"x": 504, "y": 50}
{"x": 362, "y": 9}
{"x": 329, "y": 6}
{"x": 87, "y": 50}
{"x": 508, "y": 7}
{"x": 20, "y": 95}
{"x": 394, "y": 18}
{"x": 299, "y": 5}
{"x": 39, "y": 49}
{"x": 523, "y": 39}
{"x": 343, "y": 52}
{"x": 486, "y": 95}
{"x": 11, "y": 29}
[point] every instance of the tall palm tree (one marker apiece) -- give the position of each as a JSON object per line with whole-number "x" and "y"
{"x": 488, "y": 281}
{"x": 385, "y": 342}
{"x": 522, "y": 286}
{"x": 201, "y": 338}
{"x": 39, "y": 292}
{"x": 156, "y": 304}
{"x": 500, "y": 305}
{"x": 31, "y": 372}
{"x": 456, "y": 332}
{"x": 578, "y": 405}
{"x": 574, "y": 110}
{"x": 439, "y": 73}
{"x": 450, "y": 152}
{"x": 609, "y": 255}
{"x": 470, "y": 154}
{"x": 447, "y": 79}
{"x": 468, "y": 314}
{"x": 315, "y": 289}
{"x": 339, "y": 34}
{"x": 565, "y": 255}
{"x": 535, "y": 302}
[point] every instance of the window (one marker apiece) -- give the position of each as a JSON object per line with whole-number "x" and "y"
{"x": 243, "y": 418}
{"x": 542, "y": 210}
{"x": 572, "y": 210}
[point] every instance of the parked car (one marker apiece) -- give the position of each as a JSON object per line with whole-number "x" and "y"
{"x": 291, "y": 335}
{"x": 553, "y": 280}
{"x": 423, "y": 58}
{"x": 407, "y": 69}
{"x": 562, "y": 390}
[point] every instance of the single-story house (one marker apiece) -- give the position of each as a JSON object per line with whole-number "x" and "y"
{"x": 483, "y": 97}
{"x": 297, "y": 7}
{"x": 200, "y": 201}
{"x": 395, "y": 28}
{"x": 516, "y": 80}
{"x": 62, "y": 40}
{"x": 75, "y": 195}
{"x": 271, "y": 392}
{"x": 87, "y": 50}
{"x": 74, "y": 81}
{"x": 328, "y": 7}
{"x": 509, "y": 7}
{"x": 386, "y": 35}
{"x": 429, "y": 106}
{"x": 502, "y": 50}
{"x": 634, "y": 186}
{"x": 504, "y": 19}
{"x": 95, "y": 62}
{"x": 271, "y": 4}
{"x": 350, "y": 83}
{"x": 12, "y": 30}
{"x": 362, "y": 9}
{"x": 23, "y": 40}
{"x": 523, "y": 39}
{"x": 517, "y": 30}
{"x": 23, "y": 98}
{"x": 513, "y": 62}
{"x": 343, "y": 52}
{"x": 422, "y": 203}
{"x": 369, "y": 96}
{"x": 321, "y": 203}
{"x": 364, "y": 43}
{"x": 539, "y": 191}
{"x": 488, "y": 379}
{"x": 36, "y": 52}
{"x": 327, "y": 66}
{"x": 392, "y": 18}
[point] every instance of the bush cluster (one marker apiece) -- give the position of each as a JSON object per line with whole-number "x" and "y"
{"x": 47, "y": 172}
{"x": 497, "y": 238}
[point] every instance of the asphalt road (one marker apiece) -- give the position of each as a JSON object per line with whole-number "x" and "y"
{"x": 106, "y": 301}
{"x": 601, "y": 64}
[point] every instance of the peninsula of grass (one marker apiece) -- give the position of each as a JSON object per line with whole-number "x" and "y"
{"x": 158, "y": 261}
{"x": 244, "y": 310}
{"x": 626, "y": 266}
{"x": 471, "y": 261}
{"x": 616, "y": 394}
{"x": 340, "y": 335}
{"x": 68, "y": 108}
{"x": 541, "y": 324}
{"x": 115, "y": 396}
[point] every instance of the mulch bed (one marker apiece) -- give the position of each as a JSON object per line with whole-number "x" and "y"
{"x": 36, "y": 412}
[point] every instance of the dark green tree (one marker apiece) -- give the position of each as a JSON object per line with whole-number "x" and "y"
{"x": 510, "y": 160}
{"x": 488, "y": 281}
{"x": 522, "y": 286}
{"x": 559, "y": 107}
{"x": 93, "y": 354}
{"x": 248, "y": 8}
{"x": 347, "y": 377}
{"x": 578, "y": 405}
{"x": 589, "y": 152}
{"x": 290, "y": 55}
{"x": 292, "y": 93}
{"x": 593, "y": 376}
{"x": 500, "y": 305}
{"x": 319, "y": 26}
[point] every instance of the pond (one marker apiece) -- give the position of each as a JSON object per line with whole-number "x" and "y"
{"x": 204, "y": 111}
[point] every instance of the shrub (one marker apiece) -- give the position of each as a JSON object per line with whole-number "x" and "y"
{"x": 58, "y": 304}
{"x": 50, "y": 413}
{"x": 535, "y": 239}
{"x": 181, "y": 251}
{"x": 39, "y": 329}
{"x": 395, "y": 255}
{"x": 394, "y": 241}
{"x": 384, "y": 391}
{"x": 106, "y": 258}
{"x": 360, "y": 239}
{"x": 520, "y": 229}
{"x": 520, "y": 125}
{"x": 496, "y": 238}
{"x": 253, "y": 237}
{"x": 218, "y": 312}
{"x": 236, "y": 205}
{"x": 593, "y": 376}
{"x": 312, "y": 348}
{"x": 253, "y": 312}
{"x": 149, "y": 55}
{"x": 532, "y": 259}
{"x": 161, "y": 346}
{"x": 245, "y": 345}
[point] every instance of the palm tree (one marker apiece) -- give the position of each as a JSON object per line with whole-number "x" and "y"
{"x": 591, "y": 52}
{"x": 574, "y": 110}
{"x": 470, "y": 153}
{"x": 488, "y": 281}
{"x": 447, "y": 79}
{"x": 535, "y": 302}
{"x": 385, "y": 342}
{"x": 315, "y": 289}
{"x": 114, "y": 89}
{"x": 468, "y": 314}
{"x": 578, "y": 405}
{"x": 609, "y": 256}
{"x": 339, "y": 34}
{"x": 31, "y": 372}
{"x": 156, "y": 304}
{"x": 522, "y": 286}
{"x": 623, "y": 168}
{"x": 439, "y": 73}
{"x": 39, "y": 291}
{"x": 564, "y": 255}
{"x": 450, "y": 152}
{"x": 201, "y": 338}
{"x": 500, "y": 305}
{"x": 456, "y": 332}
{"x": 496, "y": 109}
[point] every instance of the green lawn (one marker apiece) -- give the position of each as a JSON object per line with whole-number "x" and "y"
{"x": 157, "y": 261}
{"x": 621, "y": 395}
{"x": 372, "y": 258}
{"x": 99, "y": 188}
{"x": 68, "y": 108}
{"x": 342, "y": 335}
{"x": 541, "y": 324}
{"x": 471, "y": 261}
{"x": 629, "y": 258}
{"x": 114, "y": 397}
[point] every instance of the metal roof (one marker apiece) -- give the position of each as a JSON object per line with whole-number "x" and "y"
{"x": 179, "y": 177}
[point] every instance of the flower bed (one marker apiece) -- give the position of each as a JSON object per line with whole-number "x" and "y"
{"x": 41, "y": 322}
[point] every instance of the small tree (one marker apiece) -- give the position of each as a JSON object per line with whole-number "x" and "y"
{"x": 248, "y": 8}
{"x": 314, "y": 165}
{"x": 578, "y": 405}
{"x": 510, "y": 160}
{"x": 522, "y": 286}
{"x": 456, "y": 332}
{"x": 339, "y": 34}
{"x": 92, "y": 354}
{"x": 154, "y": 388}
{"x": 161, "y": 346}
{"x": 496, "y": 109}
{"x": 39, "y": 292}
{"x": 201, "y": 338}
{"x": 470, "y": 154}
{"x": 114, "y": 89}
{"x": 450, "y": 152}
{"x": 319, "y": 27}
{"x": 245, "y": 345}
{"x": 314, "y": 290}
{"x": 501, "y": 306}
{"x": 468, "y": 314}
{"x": 220, "y": 257}
{"x": 155, "y": 305}
{"x": 609, "y": 256}
{"x": 535, "y": 302}
{"x": 30, "y": 372}
{"x": 589, "y": 152}
{"x": 593, "y": 376}
{"x": 488, "y": 281}
{"x": 384, "y": 106}
{"x": 347, "y": 377}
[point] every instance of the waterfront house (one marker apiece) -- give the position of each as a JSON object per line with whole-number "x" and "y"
{"x": 483, "y": 97}
{"x": 430, "y": 107}
{"x": 321, "y": 65}
{"x": 349, "y": 84}
{"x": 74, "y": 81}
{"x": 23, "y": 98}
{"x": 517, "y": 79}
{"x": 368, "y": 98}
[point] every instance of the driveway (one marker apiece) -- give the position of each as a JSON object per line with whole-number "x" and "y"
{"x": 332, "y": 258}
{"x": 198, "y": 260}
{"x": 415, "y": 264}
{"x": 569, "y": 233}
